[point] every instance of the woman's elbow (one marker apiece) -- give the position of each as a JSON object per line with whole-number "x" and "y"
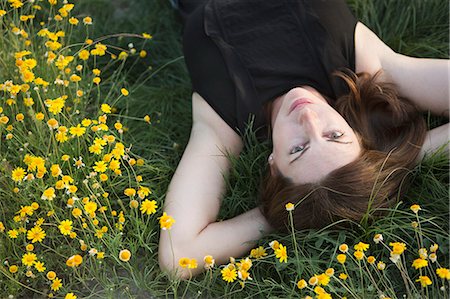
{"x": 168, "y": 258}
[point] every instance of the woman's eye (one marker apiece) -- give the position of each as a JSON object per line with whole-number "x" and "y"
{"x": 336, "y": 135}
{"x": 297, "y": 148}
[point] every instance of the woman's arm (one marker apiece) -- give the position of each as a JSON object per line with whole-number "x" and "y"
{"x": 435, "y": 140}
{"x": 194, "y": 198}
{"x": 424, "y": 81}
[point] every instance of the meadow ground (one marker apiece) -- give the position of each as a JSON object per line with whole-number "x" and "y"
{"x": 65, "y": 231}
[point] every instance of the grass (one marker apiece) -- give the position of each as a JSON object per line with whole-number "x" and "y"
{"x": 159, "y": 86}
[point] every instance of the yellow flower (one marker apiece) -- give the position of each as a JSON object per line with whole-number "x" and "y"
{"x": 90, "y": 207}
{"x": 397, "y": 247}
{"x": 124, "y": 92}
{"x": 290, "y": 206}
{"x": 40, "y": 116}
{"x": 2, "y": 227}
{"x": 100, "y": 166}
{"x": 87, "y": 21}
{"x": 70, "y": 296}
{"x": 419, "y": 263}
{"x": 129, "y": 192}
{"x": 343, "y": 248}
{"x": 18, "y": 174}
{"x": 329, "y": 272}
{"x": 209, "y": 261}
{"x": 274, "y": 244}
{"x": 323, "y": 279}
{"x": 124, "y": 255}
{"x": 106, "y": 108}
{"x": 415, "y": 208}
{"x": 142, "y": 54}
{"x": 378, "y": 238}
{"x": 84, "y": 55}
{"x": 361, "y": 246}
{"x": 434, "y": 247}
{"x": 381, "y": 266}
{"x": 146, "y": 35}
{"x": 281, "y": 254}
{"x": 301, "y": 284}
{"x": 424, "y": 281}
{"x": 74, "y": 260}
{"x": 96, "y": 80}
{"x": 40, "y": 267}
{"x": 343, "y": 276}
{"x": 20, "y": 117}
{"x": 371, "y": 259}
{"x": 49, "y": 194}
{"x": 28, "y": 259}
{"x": 13, "y": 269}
{"x": 359, "y": 255}
{"x": 65, "y": 227}
{"x": 166, "y": 221}
{"x": 73, "y": 21}
{"x": 56, "y": 284}
{"x": 148, "y": 207}
{"x": 229, "y": 273}
{"x": 183, "y": 262}
{"x": 258, "y": 252}
{"x": 147, "y": 119}
{"x": 36, "y": 234}
{"x": 51, "y": 275}
{"x": 192, "y": 264}
{"x": 432, "y": 257}
{"x": 313, "y": 280}
{"x": 52, "y": 123}
{"x": 341, "y": 258}
{"x": 443, "y": 273}
{"x": 143, "y": 192}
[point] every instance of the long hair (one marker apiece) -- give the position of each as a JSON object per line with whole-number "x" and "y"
{"x": 391, "y": 131}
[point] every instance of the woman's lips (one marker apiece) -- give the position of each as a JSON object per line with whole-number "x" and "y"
{"x": 300, "y": 103}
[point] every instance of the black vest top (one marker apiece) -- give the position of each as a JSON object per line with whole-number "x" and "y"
{"x": 243, "y": 53}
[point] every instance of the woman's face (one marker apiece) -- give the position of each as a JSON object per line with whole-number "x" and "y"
{"x": 310, "y": 138}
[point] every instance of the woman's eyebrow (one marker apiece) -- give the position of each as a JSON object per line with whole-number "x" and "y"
{"x": 331, "y": 140}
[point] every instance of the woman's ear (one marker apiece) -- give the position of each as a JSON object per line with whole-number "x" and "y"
{"x": 272, "y": 166}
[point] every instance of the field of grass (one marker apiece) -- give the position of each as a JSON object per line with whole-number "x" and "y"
{"x": 159, "y": 88}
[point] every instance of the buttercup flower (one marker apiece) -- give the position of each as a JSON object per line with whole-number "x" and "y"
{"x": 290, "y": 207}
{"x": 415, "y": 208}
{"x": 258, "y": 252}
{"x": 443, "y": 273}
{"x": 124, "y": 255}
{"x": 166, "y": 221}
{"x": 36, "y": 234}
{"x": 343, "y": 248}
{"x": 65, "y": 227}
{"x": 378, "y": 238}
{"x": 301, "y": 284}
{"x": 209, "y": 261}
{"x": 424, "y": 281}
{"x": 341, "y": 258}
{"x": 361, "y": 246}
{"x": 148, "y": 207}
{"x": 281, "y": 254}
{"x": 229, "y": 273}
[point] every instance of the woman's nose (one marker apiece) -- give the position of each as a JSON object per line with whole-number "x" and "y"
{"x": 310, "y": 121}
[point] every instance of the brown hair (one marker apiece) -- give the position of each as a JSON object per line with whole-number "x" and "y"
{"x": 391, "y": 132}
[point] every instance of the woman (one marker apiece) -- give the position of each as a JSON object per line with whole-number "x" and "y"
{"x": 245, "y": 57}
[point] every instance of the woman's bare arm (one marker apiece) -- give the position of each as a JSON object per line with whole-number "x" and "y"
{"x": 436, "y": 139}
{"x": 195, "y": 194}
{"x": 422, "y": 80}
